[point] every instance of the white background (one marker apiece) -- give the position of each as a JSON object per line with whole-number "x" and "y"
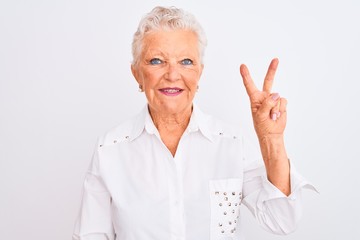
{"x": 65, "y": 79}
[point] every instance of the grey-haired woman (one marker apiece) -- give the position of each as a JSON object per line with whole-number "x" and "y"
{"x": 174, "y": 172}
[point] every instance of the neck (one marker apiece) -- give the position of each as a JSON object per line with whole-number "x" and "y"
{"x": 171, "y": 126}
{"x": 165, "y": 121}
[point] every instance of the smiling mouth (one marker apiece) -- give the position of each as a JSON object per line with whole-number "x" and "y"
{"x": 171, "y": 91}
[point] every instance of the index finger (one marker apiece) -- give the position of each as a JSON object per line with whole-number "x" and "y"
{"x": 248, "y": 82}
{"x": 269, "y": 78}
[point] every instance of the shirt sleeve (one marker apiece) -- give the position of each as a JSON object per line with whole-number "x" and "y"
{"x": 275, "y": 211}
{"x": 94, "y": 221}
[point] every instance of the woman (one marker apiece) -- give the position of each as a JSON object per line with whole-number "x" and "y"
{"x": 174, "y": 172}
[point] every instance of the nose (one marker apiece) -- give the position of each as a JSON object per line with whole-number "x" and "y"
{"x": 172, "y": 72}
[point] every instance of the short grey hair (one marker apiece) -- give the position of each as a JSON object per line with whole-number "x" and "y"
{"x": 162, "y": 18}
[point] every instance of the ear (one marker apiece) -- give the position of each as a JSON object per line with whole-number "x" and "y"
{"x": 135, "y": 73}
{"x": 201, "y": 70}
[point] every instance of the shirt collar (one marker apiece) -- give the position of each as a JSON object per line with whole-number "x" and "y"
{"x": 199, "y": 121}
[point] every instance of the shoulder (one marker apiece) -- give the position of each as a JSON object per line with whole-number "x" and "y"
{"x": 216, "y": 128}
{"x": 123, "y": 132}
{"x": 235, "y": 136}
{"x": 223, "y": 128}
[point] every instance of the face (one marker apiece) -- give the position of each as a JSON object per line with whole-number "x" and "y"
{"x": 169, "y": 70}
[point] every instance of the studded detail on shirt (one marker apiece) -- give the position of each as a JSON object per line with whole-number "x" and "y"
{"x": 229, "y": 205}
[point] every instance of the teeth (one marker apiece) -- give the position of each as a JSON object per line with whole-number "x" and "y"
{"x": 171, "y": 90}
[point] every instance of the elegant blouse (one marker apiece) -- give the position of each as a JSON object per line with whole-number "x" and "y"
{"x": 136, "y": 190}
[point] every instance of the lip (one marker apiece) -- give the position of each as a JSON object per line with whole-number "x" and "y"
{"x": 171, "y": 91}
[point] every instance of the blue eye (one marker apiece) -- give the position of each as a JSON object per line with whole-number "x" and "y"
{"x": 187, "y": 62}
{"x": 155, "y": 61}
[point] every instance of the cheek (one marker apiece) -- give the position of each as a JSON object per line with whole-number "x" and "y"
{"x": 151, "y": 78}
{"x": 192, "y": 79}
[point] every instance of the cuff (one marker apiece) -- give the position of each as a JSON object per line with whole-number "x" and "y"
{"x": 297, "y": 182}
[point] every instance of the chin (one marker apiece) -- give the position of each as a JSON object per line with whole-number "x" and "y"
{"x": 174, "y": 108}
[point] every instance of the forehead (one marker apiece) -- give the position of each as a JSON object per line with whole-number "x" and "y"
{"x": 171, "y": 42}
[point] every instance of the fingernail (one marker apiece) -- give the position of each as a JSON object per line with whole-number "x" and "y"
{"x": 275, "y": 96}
{"x": 273, "y": 117}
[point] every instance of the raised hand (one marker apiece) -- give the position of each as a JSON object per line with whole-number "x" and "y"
{"x": 269, "y": 116}
{"x": 268, "y": 109}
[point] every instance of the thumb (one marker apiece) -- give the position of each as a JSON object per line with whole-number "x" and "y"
{"x": 270, "y": 102}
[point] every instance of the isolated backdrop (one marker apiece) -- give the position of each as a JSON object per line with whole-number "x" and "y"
{"x": 65, "y": 79}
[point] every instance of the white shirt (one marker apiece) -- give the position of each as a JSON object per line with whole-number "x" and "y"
{"x": 136, "y": 190}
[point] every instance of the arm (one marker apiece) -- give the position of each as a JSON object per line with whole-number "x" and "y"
{"x": 269, "y": 117}
{"x": 272, "y": 193}
{"x": 273, "y": 210}
{"x": 276, "y": 162}
{"x": 94, "y": 221}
